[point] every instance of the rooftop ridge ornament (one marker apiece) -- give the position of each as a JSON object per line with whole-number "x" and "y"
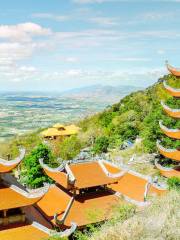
{"x": 61, "y": 221}
{"x": 173, "y": 70}
{"x": 7, "y": 166}
{"x": 60, "y": 168}
{"x": 65, "y": 233}
{"x": 16, "y": 160}
{"x": 36, "y": 194}
{"x": 112, "y": 175}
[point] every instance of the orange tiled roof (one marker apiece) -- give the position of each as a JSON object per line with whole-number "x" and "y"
{"x": 173, "y": 70}
{"x": 89, "y": 175}
{"x": 8, "y": 166}
{"x": 175, "y": 92}
{"x": 91, "y": 208}
{"x": 131, "y": 186}
{"x": 86, "y": 209}
{"x": 169, "y": 153}
{"x": 174, "y": 113}
{"x": 12, "y": 199}
{"x": 27, "y": 232}
{"x": 154, "y": 191}
{"x": 58, "y": 177}
{"x": 86, "y": 174}
{"x": 5, "y": 168}
{"x": 168, "y": 172}
{"x": 54, "y": 201}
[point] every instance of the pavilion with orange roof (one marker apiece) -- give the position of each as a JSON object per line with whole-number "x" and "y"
{"x": 173, "y": 154}
{"x": 18, "y": 216}
{"x": 89, "y": 190}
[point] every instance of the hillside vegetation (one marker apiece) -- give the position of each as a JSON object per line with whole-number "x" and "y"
{"x": 161, "y": 220}
{"x": 135, "y": 116}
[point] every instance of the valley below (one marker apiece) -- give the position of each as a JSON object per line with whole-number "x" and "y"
{"x": 22, "y": 112}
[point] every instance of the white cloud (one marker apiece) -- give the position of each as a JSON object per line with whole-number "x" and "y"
{"x": 22, "y": 32}
{"x": 104, "y": 21}
{"x": 50, "y": 16}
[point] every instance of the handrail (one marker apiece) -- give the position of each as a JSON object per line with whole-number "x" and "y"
{"x": 16, "y": 160}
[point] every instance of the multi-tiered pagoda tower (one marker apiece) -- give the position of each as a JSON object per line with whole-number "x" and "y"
{"x": 173, "y": 154}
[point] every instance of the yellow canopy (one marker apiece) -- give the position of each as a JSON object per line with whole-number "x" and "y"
{"x": 55, "y": 131}
{"x": 58, "y": 125}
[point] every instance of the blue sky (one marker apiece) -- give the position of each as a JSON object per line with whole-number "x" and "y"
{"x": 54, "y": 45}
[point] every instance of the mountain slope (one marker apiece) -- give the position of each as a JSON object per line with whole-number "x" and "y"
{"x": 136, "y": 115}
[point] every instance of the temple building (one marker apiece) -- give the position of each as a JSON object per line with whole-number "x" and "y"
{"x": 60, "y": 131}
{"x": 86, "y": 192}
{"x": 173, "y": 154}
{"x": 19, "y": 218}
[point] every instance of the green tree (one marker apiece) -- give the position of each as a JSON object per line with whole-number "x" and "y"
{"x": 101, "y": 144}
{"x": 33, "y": 175}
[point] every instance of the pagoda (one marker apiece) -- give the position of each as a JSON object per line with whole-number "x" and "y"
{"x": 19, "y": 219}
{"x": 173, "y": 154}
{"x": 85, "y": 192}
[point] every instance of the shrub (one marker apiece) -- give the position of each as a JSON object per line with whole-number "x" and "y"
{"x": 70, "y": 147}
{"x": 101, "y": 145}
{"x": 174, "y": 183}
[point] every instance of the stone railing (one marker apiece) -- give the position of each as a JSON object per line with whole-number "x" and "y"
{"x": 167, "y": 129}
{"x": 169, "y": 109}
{"x": 170, "y": 88}
{"x": 165, "y": 149}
